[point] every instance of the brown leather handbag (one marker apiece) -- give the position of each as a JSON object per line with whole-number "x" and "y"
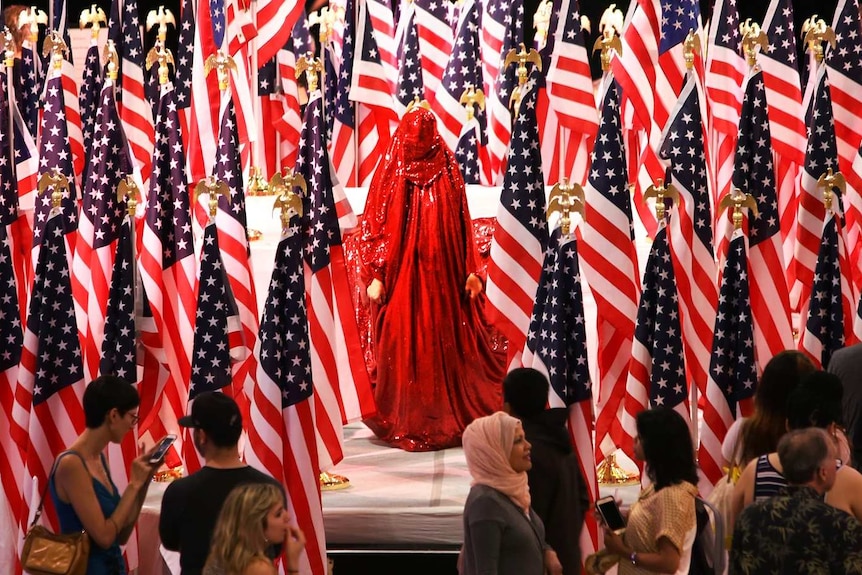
{"x": 47, "y": 553}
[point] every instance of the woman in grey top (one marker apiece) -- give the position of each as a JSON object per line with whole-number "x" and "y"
{"x": 502, "y": 534}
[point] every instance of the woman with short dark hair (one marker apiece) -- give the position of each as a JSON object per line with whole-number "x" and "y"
{"x": 81, "y": 486}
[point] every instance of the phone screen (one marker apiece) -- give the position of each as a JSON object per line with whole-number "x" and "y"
{"x": 611, "y": 513}
{"x": 164, "y": 444}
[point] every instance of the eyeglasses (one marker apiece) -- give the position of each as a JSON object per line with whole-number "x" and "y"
{"x": 135, "y": 417}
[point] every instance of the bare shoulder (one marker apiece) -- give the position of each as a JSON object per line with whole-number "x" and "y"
{"x": 71, "y": 468}
{"x": 260, "y": 567}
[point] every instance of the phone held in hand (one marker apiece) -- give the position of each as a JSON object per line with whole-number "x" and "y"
{"x": 163, "y": 445}
{"x": 610, "y": 512}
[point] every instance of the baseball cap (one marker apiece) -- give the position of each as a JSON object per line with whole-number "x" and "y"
{"x": 218, "y": 415}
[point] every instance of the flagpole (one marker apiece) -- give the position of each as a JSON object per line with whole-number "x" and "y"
{"x": 9, "y": 61}
{"x": 257, "y": 181}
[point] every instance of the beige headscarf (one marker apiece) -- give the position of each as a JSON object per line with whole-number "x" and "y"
{"x": 487, "y": 445}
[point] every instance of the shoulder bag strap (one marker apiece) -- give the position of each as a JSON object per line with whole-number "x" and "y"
{"x": 48, "y": 484}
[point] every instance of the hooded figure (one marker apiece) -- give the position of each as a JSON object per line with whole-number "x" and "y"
{"x": 436, "y": 368}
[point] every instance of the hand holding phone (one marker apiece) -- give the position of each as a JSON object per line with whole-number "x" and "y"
{"x": 610, "y": 512}
{"x": 162, "y": 448}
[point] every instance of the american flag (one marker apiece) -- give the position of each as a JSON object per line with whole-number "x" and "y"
{"x": 464, "y": 67}
{"x": 732, "y": 370}
{"x": 725, "y": 71}
{"x": 31, "y": 85}
{"x": 341, "y": 383}
{"x": 829, "y": 318}
{"x": 383, "y": 25}
{"x": 557, "y": 346}
{"x": 218, "y": 339}
{"x": 502, "y": 30}
{"x": 820, "y": 155}
{"x": 690, "y": 231}
{"x": 185, "y": 55}
{"x": 98, "y": 230}
{"x": 845, "y": 78}
{"x": 343, "y": 142}
{"x": 470, "y": 151}
{"x": 754, "y": 174}
{"x": 88, "y": 100}
{"x": 784, "y": 98}
{"x": 48, "y": 414}
{"x": 282, "y": 437}
{"x": 55, "y": 154}
{"x": 609, "y": 261}
{"x": 275, "y": 20}
{"x": 168, "y": 269}
{"x": 572, "y": 117}
{"x": 657, "y": 366}
{"x": 518, "y": 246}
{"x": 651, "y": 72}
{"x": 435, "y": 42}
{"x": 410, "y": 83}
{"x": 371, "y": 92}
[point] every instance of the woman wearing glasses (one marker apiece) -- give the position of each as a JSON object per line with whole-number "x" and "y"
{"x": 83, "y": 492}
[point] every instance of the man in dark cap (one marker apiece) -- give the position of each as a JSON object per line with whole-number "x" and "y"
{"x": 192, "y": 504}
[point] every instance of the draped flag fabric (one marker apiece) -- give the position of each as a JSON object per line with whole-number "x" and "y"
{"x": 66, "y": 70}
{"x": 521, "y": 235}
{"x": 732, "y": 371}
{"x": 690, "y": 232}
{"x": 557, "y": 346}
{"x": 786, "y": 120}
{"x": 410, "y": 84}
{"x": 609, "y": 262}
{"x": 343, "y": 141}
{"x": 436, "y": 40}
{"x": 48, "y": 414}
{"x": 282, "y": 438}
{"x": 341, "y": 382}
{"x": 383, "y": 27}
{"x": 31, "y": 85}
{"x": 754, "y": 174}
{"x": 274, "y": 21}
{"x": 88, "y": 100}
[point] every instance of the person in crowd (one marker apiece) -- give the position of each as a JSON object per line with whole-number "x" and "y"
{"x": 437, "y": 368}
{"x": 816, "y": 402}
{"x": 558, "y": 492}
{"x": 662, "y": 524}
{"x": 252, "y": 516}
{"x": 503, "y": 535}
{"x": 749, "y": 438}
{"x": 846, "y": 363}
{"x": 191, "y": 505}
{"x": 81, "y": 487}
{"x": 796, "y": 531}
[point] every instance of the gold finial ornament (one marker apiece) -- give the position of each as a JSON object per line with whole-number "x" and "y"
{"x": 660, "y": 192}
{"x": 8, "y": 48}
{"x": 416, "y": 102}
{"x": 31, "y": 18}
{"x": 691, "y": 46}
{"x": 129, "y": 192}
{"x": 222, "y": 64}
{"x": 312, "y": 68}
{"x": 333, "y": 481}
{"x": 815, "y": 32}
{"x": 158, "y": 53}
{"x": 161, "y": 18}
{"x": 522, "y": 57}
{"x": 287, "y": 201}
{"x": 257, "y": 184}
{"x": 611, "y": 28}
{"x": 737, "y": 199}
{"x": 542, "y": 22}
{"x": 609, "y": 472}
{"x": 58, "y": 184}
{"x": 471, "y": 98}
{"x": 94, "y": 17}
{"x": 752, "y": 38}
{"x": 214, "y": 188}
{"x": 112, "y": 59}
{"x": 55, "y": 46}
{"x": 326, "y": 18}
{"x": 565, "y": 199}
{"x": 831, "y": 181}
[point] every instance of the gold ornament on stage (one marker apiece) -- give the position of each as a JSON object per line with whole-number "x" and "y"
{"x": 831, "y": 181}
{"x": 609, "y": 472}
{"x": 333, "y": 481}
{"x": 94, "y": 17}
{"x": 31, "y": 18}
{"x": 326, "y": 18}
{"x": 815, "y": 32}
{"x": 112, "y": 59}
{"x": 417, "y": 103}
{"x": 753, "y": 37}
{"x": 257, "y": 184}
{"x": 168, "y": 475}
{"x": 690, "y": 47}
{"x": 738, "y": 199}
{"x": 566, "y": 198}
{"x": 471, "y": 98}
{"x": 288, "y": 202}
{"x": 214, "y": 188}
{"x": 58, "y": 183}
{"x": 161, "y": 18}
{"x": 609, "y": 43}
{"x": 222, "y": 64}
{"x": 660, "y": 192}
{"x": 161, "y": 55}
{"x": 55, "y": 46}
{"x": 522, "y": 57}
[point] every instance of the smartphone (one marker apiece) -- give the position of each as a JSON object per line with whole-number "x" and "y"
{"x": 607, "y": 508}
{"x": 162, "y": 448}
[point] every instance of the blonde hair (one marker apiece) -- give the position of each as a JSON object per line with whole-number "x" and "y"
{"x": 238, "y": 538}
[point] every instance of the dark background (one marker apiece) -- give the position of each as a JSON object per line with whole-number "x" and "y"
{"x": 755, "y": 9}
